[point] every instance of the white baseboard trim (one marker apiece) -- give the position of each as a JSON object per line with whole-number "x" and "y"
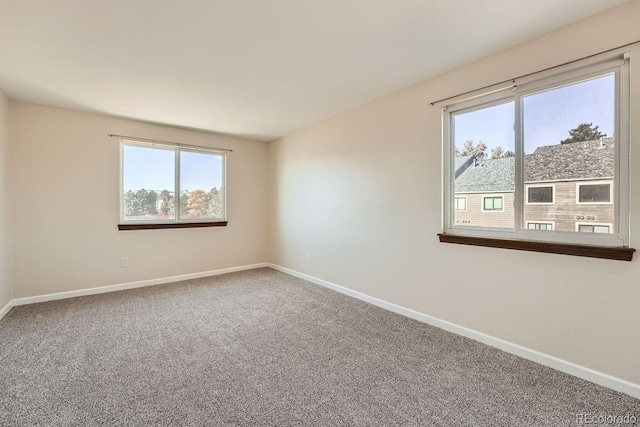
{"x": 6, "y": 309}
{"x": 130, "y": 285}
{"x": 567, "y": 367}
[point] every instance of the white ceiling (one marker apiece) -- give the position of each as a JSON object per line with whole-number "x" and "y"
{"x": 253, "y": 68}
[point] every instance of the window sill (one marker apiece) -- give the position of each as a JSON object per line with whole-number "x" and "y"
{"x": 592, "y": 251}
{"x": 150, "y": 226}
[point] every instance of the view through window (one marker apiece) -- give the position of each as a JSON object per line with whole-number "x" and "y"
{"x": 568, "y": 159}
{"x": 171, "y": 184}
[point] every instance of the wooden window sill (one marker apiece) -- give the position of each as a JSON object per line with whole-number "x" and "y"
{"x": 149, "y": 226}
{"x": 606, "y": 252}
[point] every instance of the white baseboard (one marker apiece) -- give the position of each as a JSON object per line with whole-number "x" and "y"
{"x": 6, "y": 309}
{"x": 130, "y": 285}
{"x": 570, "y": 368}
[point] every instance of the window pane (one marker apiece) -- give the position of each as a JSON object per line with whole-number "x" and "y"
{"x": 497, "y": 203}
{"x": 201, "y": 185}
{"x": 540, "y": 195}
{"x": 485, "y": 163}
{"x": 148, "y": 183}
{"x": 595, "y": 193}
{"x": 568, "y": 137}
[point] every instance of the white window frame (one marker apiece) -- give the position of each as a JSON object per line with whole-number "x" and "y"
{"x": 553, "y": 194}
{"x": 177, "y": 150}
{"x": 602, "y": 224}
{"x": 493, "y": 196}
{"x": 600, "y": 182}
{"x": 456, "y": 203}
{"x": 551, "y": 223}
{"x": 617, "y": 64}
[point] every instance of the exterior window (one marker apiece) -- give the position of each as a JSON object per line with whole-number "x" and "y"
{"x": 540, "y": 194}
{"x": 545, "y": 153}
{"x": 461, "y": 203}
{"x": 547, "y": 226}
{"x": 167, "y": 184}
{"x": 594, "y": 193}
{"x": 593, "y": 228}
{"x": 492, "y": 203}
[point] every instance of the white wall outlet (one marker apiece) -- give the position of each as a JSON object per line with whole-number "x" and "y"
{"x": 308, "y": 255}
{"x": 124, "y": 261}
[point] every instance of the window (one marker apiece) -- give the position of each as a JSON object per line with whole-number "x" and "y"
{"x": 461, "y": 203}
{"x": 555, "y": 149}
{"x": 547, "y": 226}
{"x": 540, "y": 194}
{"x": 594, "y": 228}
{"x": 492, "y": 203}
{"x": 594, "y": 193}
{"x": 165, "y": 184}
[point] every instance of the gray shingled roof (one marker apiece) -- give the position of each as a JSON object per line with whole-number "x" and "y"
{"x": 488, "y": 175}
{"x": 589, "y": 159}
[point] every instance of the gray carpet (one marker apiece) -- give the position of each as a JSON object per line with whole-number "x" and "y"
{"x": 263, "y": 348}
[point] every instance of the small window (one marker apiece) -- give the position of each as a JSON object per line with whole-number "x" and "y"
{"x": 540, "y": 194}
{"x": 594, "y": 193}
{"x": 166, "y": 184}
{"x": 594, "y": 228}
{"x": 461, "y": 203}
{"x": 492, "y": 203}
{"x": 546, "y": 226}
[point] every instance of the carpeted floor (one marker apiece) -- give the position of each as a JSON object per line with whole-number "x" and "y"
{"x": 264, "y": 348}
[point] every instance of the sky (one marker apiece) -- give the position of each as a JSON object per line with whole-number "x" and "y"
{"x": 153, "y": 169}
{"x": 547, "y": 116}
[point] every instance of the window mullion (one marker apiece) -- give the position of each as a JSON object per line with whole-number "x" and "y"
{"x": 176, "y": 181}
{"x": 518, "y": 190}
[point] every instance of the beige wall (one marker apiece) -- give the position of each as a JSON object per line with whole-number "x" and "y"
{"x": 66, "y": 201}
{"x": 362, "y": 192}
{"x": 5, "y": 203}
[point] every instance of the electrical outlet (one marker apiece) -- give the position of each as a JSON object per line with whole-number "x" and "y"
{"x": 308, "y": 255}
{"x": 124, "y": 262}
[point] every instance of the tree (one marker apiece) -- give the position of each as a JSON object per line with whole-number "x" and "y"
{"x": 198, "y": 203}
{"x": 471, "y": 149}
{"x": 215, "y": 203}
{"x": 509, "y": 153}
{"x": 129, "y": 202}
{"x": 167, "y": 202}
{"x": 584, "y": 132}
{"x": 497, "y": 153}
{"x": 150, "y": 203}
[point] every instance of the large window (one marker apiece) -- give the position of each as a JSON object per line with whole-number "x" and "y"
{"x": 555, "y": 149}
{"x": 594, "y": 192}
{"x": 540, "y": 194}
{"x": 164, "y": 184}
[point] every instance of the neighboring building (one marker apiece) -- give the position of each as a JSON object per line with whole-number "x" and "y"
{"x": 568, "y": 187}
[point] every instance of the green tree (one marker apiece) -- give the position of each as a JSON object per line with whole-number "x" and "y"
{"x": 150, "y": 203}
{"x": 167, "y": 202}
{"x": 129, "y": 202}
{"x": 215, "y": 203}
{"x": 584, "y": 132}
{"x": 184, "y": 198}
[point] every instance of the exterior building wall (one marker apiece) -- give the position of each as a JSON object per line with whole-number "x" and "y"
{"x": 474, "y": 216}
{"x": 565, "y": 212}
